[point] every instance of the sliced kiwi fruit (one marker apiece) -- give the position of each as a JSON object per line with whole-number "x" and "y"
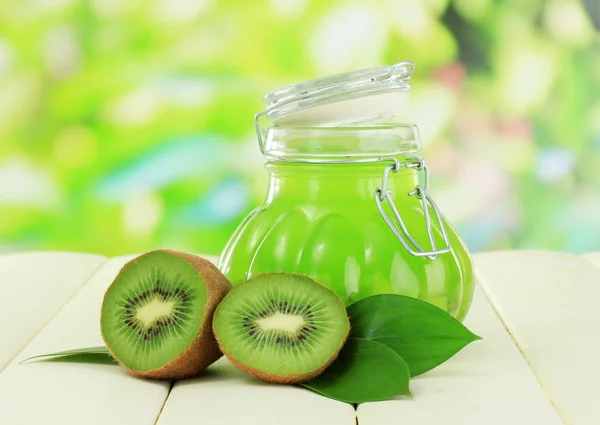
{"x": 280, "y": 327}
{"x": 156, "y": 315}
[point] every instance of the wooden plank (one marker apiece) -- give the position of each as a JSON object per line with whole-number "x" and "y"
{"x": 70, "y": 393}
{"x": 226, "y": 396}
{"x": 488, "y": 383}
{"x": 33, "y": 288}
{"x": 549, "y": 302}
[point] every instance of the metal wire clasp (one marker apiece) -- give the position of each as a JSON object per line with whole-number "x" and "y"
{"x": 421, "y": 191}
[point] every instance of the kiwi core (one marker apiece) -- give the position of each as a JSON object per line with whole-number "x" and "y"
{"x": 154, "y": 310}
{"x": 289, "y": 323}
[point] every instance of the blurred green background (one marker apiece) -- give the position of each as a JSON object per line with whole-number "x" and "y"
{"x": 126, "y": 125}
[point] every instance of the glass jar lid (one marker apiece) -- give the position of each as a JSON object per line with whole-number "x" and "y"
{"x": 350, "y": 115}
{"x": 368, "y": 95}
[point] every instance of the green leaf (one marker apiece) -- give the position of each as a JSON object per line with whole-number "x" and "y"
{"x": 364, "y": 371}
{"x": 425, "y": 336}
{"x": 97, "y": 355}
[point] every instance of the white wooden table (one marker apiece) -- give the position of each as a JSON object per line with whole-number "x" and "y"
{"x": 539, "y": 362}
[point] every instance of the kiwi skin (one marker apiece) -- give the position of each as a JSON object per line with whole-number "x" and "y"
{"x": 203, "y": 350}
{"x": 292, "y": 378}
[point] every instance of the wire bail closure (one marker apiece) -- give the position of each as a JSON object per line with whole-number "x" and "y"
{"x": 382, "y": 194}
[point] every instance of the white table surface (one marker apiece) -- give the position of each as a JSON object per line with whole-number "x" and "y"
{"x": 538, "y": 364}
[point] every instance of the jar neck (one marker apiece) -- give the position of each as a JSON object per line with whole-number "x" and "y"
{"x": 333, "y": 183}
{"x": 335, "y": 143}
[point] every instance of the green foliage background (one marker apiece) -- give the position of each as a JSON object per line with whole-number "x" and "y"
{"x": 127, "y": 125}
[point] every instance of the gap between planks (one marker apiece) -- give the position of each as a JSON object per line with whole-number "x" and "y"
{"x": 164, "y": 402}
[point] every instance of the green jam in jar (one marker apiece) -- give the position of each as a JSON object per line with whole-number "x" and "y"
{"x": 345, "y": 205}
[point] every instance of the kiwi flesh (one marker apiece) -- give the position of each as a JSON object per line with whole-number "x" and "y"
{"x": 156, "y": 315}
{"x": 281, "y": 327}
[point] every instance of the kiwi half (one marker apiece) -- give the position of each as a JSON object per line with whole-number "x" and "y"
{"x": 157, "y": 314}
{"x": 280, "y": 327}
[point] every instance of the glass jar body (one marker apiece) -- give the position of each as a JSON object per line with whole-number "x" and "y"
{"x": 322, "y": 220}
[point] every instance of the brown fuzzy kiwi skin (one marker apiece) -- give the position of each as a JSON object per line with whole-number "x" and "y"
{"x": 203, "y": 350}
{"x": 293, "y": 378}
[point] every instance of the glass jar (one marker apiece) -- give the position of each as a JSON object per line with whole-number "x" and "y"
{"x": 345, "y": 204}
